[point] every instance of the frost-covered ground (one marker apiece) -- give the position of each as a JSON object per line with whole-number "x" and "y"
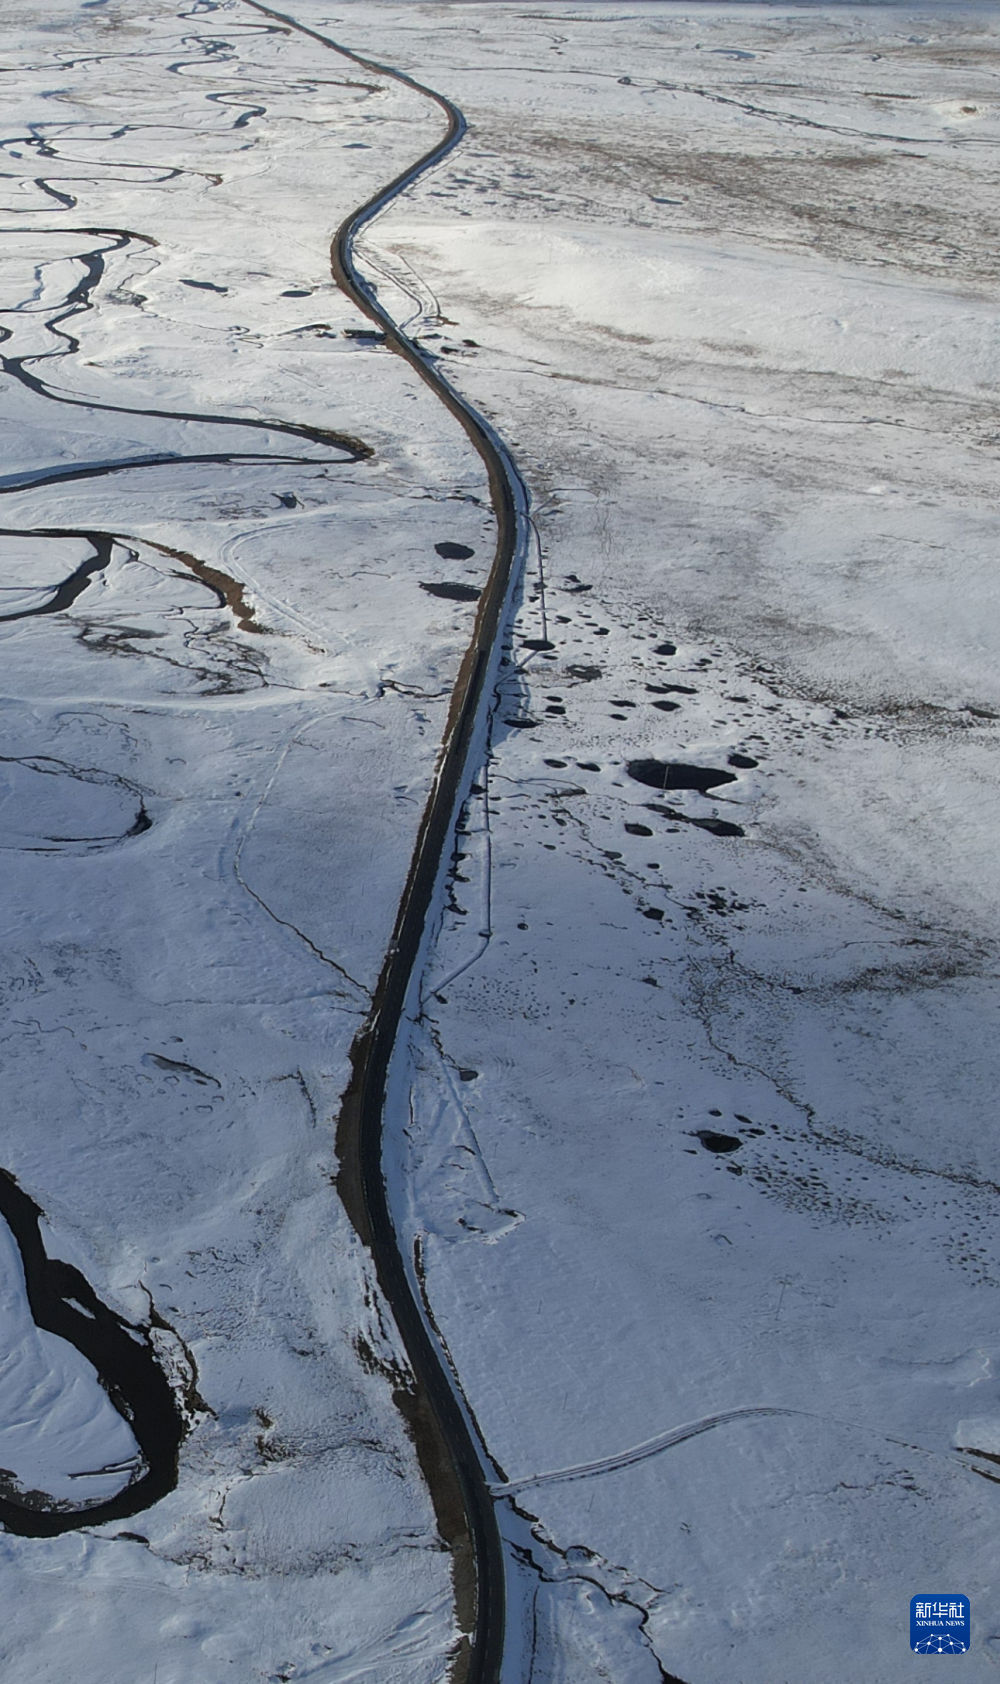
{"x": 698, "y": 1167}
{"x": 223, "y": 691}
{"x": 702, "y": 1117}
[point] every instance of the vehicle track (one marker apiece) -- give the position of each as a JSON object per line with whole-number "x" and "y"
{"x": 453, "y": 1458}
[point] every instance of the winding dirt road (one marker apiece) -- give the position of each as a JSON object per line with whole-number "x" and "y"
{"x": 455, "y": 1462}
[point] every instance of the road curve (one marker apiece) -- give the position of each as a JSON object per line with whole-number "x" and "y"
{"x": 454, "y": 1461}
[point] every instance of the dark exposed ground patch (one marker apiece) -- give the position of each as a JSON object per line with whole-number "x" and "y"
{"x": 449, "y": 551}
{"x": 816, "y": 198}
{"x": 715, "y": 827}
{"x": 159, "y": 1061}
{"x": 713, "y": 1141}
{"x": 452, "y": 589}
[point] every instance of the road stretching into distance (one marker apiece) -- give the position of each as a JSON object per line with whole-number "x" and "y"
{"x": 465, "y": 1484}
{"x": 453, "y": 1458}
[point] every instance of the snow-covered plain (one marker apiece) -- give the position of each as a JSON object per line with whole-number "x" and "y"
{"x": 693, "y": 1141}
{"x": 223, "y": 692}
{"x": 700, "y": 1166}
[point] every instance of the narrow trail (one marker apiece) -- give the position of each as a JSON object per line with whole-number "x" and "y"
{"x": 454, "y": 1460}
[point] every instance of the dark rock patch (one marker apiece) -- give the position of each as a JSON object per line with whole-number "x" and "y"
{"x": 453, "y": 552}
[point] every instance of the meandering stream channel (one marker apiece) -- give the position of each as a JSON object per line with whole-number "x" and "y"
{"x": 60, "y": 563}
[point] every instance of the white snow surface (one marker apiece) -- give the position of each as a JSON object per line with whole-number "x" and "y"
{"x": 60, "y": 1435}
{"x": 697, "y": 1155}
{"x": 252, "y": 665}
{"x": 693, "y": 1139}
